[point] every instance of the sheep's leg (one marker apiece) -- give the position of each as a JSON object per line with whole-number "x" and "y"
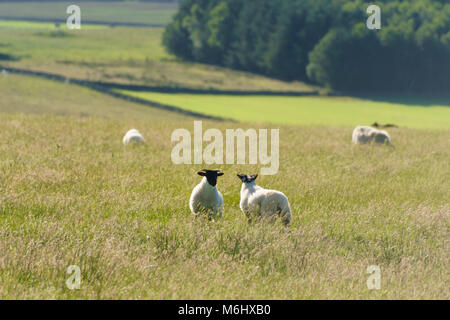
{"x": 286, "y": 215}
{"x": 248, "y": 215}
{"x": 212, "y": 214}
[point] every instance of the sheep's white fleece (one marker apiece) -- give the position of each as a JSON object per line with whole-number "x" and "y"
{"x": 264, "y": 203}
{"x": 133, "y": 136}
{"x": 206, "y": 198}
{"x": 365, "y": 134}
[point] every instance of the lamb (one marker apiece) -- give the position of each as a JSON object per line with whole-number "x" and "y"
{"x": 133, "y": 136}
{"x": 365, "y": 134}
{"x": 263, "y": 202}
{"x": 205, "y": 197}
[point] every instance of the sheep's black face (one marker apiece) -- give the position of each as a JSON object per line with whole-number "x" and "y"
{"x": 247, "y": 179}
{"x": 211, "y": 176}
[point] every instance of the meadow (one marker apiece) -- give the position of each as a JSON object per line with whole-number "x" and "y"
{"x": 110, "y": 12}
{"x": 72, "y": 194}
{"x": 335, "y": 111}
{"x": 126, "y": 55}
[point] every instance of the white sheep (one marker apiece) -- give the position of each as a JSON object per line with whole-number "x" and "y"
{"x": 205, "y": 197}
{"x": 257, "y": 201}
{"x": 365, "y": 134}
{"x": 133, "y": 136}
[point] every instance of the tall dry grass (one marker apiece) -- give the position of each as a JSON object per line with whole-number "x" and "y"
{"x": 71, "y": 194}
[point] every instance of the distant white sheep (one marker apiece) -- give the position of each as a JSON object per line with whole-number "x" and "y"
{"x": 205, "y": 197}
{"x": 264, "y": 203}
{"x": 133, "y": 136}
{"x": 365, "y": 134}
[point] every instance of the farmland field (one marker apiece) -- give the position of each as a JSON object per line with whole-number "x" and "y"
{"x": 107, "y": 12}
{"x": 343, "y": 111}
{"x": 127, "y": 55}
{"x": 70, "y": 194}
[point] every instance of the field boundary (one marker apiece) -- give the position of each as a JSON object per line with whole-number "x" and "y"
{"x": 97, "y": 86}
{"x": 94, "y": 22}
{"x": 109, "y": 89}
{"x": 159, "y": 89}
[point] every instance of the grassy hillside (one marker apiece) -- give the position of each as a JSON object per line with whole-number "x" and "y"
{"x": 71, "y": 194}
{"x": 128, "y": 55}
{"x": 28, "y": 95}
{"x": 336, "y": 111}
{"x": 108, "y": 12}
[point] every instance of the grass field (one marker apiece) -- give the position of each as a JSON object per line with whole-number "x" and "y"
{"x": 71, "y": 194}
{"x": 93, "y": 44}
{"x": 335, "y": 111}
{"x": 108, "y": 12}
{"x": 127, "y": 55}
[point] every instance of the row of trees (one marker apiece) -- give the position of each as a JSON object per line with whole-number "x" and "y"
{"x": 320, "y": 41}
{"x": 66, "y": 1}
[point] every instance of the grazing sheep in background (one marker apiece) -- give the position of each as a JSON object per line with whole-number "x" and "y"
{"x": 257, "y": 201}
{"x": 133, "y": 136}
{"x": 389, "y": 125}
{"x": 205, "y": 197}
{"x": 365, "y": 134}
{"x": 5, "y": 73}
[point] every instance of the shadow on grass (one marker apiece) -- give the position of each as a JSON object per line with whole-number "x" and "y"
{"x": 186, "y": 90}
{"x": 408, "y": 99}
{"x": 94, "y": 22}
{"x": 8, "y": 57}
{"x": 97, "y": 86}
{"x": 56, "y": 34}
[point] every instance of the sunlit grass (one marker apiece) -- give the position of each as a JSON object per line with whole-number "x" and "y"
{"x": 131, "y": 55}
{"x": 37, "y": 43}
{"x": 335, "y": 111}
{"x": 30, "y": 25}
{"x": 104, "y": 11}
{"x": 72, "y": 194}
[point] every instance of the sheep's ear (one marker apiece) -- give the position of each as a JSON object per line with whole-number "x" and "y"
{"x": 220, "y": 174}
{"x": 201, "y": 173}
{"x": 253, "y": 177}
{"x": 241, "y": 176}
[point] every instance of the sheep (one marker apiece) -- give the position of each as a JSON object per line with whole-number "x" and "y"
{"x": 133, "y": 136}
{"x": 365, "y": 134}
{"x": 205, "y": 197}
{"x": 389, "y": 125}
{"x": 263, "y": 202}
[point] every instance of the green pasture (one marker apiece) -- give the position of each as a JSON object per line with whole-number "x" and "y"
{"x": 128, "y": 55}
{"x": 323, "y": 111}
{"x": 72, "y": 194}
{"x": 42, "y": 42}
{"x": 108, "y": 12}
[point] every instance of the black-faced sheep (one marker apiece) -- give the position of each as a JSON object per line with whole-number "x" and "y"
{"x": 205, "y": 197}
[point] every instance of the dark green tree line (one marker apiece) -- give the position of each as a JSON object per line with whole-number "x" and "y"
{"x": 320, "y": 41}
